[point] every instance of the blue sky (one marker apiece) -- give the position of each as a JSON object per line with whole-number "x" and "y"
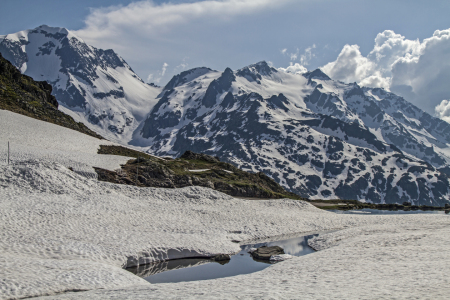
{"x": 161, "y": 38}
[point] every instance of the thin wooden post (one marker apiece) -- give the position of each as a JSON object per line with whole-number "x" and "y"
{"x": 137, "y": 176}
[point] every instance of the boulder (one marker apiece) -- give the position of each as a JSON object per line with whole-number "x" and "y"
{"x": 264, "y": 252}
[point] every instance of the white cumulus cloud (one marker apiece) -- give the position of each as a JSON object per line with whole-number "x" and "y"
{"x": 418, "y": 71}
{"x": 146, "y": 33}
{"x": 350, "y": 65}
{"x": 294, "y": 69}
{"x": 443, "y": 110}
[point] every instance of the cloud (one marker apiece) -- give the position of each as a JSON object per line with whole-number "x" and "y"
{"x": 294, "y": 55}
{"x": 443, "y": 110}
{"x": 350, "y": 65}
{"x": 154, "y": 19}
{"x": 294, "y": 69}
{"x": 298, "y": 68}
{"x": 306, "y": 57}
{"x": 418, "y": 71}
{"x": 146, "y": 33}
{"x": 164, "y": 69}
{"x": 161, "y": 74}
{"x": 182, "y": 66}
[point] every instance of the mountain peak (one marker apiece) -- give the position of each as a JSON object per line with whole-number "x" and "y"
{"x": 263, "y": 68}
{"x": 52, "y": 30}
{"x": 186, "y": 76}
{"x": 316, "y": 74}
{"x": 227, "y": 72}
{"x": 255, "y": 72}
{"x": 57, "y": 33}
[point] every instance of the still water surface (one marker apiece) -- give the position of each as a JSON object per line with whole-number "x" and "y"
{"x": 203, "y": 269}
{"x": 370, "y": 211}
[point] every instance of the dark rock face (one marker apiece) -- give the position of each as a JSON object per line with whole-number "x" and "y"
{"x": 21, "y": 94}
{"x": 218, "y": 86}
{"x": 115, "y": 93}
{"x": 84, "y": 79}
{"x": 254, "y": 73}
{"x": 183, "y": 77}
{"x": 264, "y": 252}
{"x": 155, "y": 121}
{"x": 316, "y": 74}
{"x": 12, "y": 51}
{"x": 199, "y": 156}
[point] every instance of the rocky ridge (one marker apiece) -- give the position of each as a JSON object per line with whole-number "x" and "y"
{"x": 318, "y": 138}
{"x": 191, "y": 169}
{"x": 21, "y": 94}
{"x": 94, "y": 86}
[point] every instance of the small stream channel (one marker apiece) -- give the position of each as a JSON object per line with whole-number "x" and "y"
{"x": 203, "y": 269}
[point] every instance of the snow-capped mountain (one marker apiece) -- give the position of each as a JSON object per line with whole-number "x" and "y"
{"x": 95, "y": 86}
{"x": 317, "y": 137}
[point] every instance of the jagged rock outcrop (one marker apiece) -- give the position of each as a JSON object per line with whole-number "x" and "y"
{"x": 192, "y": 169}
{"x": 95, "y": 86}
{"x": 21, "y": 94}
{"x": 318, "y": 138}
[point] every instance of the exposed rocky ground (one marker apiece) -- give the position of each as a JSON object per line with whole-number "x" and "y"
{"x": 95, "y": 86}
{"x": 21, "y": 94}
{"x": 191, "y": 169}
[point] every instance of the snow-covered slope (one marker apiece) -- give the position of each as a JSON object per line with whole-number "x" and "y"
{"x": 61, "y": 232}
{"x": 69, "y": 235}
{"x": 32, "y": 139}
{"x": 315, "y": 136}
{"x": 95, "y": 86}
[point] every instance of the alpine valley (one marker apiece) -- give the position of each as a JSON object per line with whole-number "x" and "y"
{"x": 318, "y": 138}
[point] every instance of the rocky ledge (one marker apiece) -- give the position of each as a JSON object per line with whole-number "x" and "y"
{"x": 191, "y": 169}
{"x": 21, "y": 94}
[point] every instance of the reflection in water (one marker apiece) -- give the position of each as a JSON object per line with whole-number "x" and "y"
{"x": 163, "y": 266}
{"x": 203, "y": 269}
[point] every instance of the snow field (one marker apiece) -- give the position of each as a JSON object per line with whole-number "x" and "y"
{"x": 34, "y": 139}
{"x": 60, "y": 232}
{"x": 368, "y": 262}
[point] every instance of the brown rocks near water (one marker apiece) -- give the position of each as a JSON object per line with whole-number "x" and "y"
{"x": 264, "y": 252}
